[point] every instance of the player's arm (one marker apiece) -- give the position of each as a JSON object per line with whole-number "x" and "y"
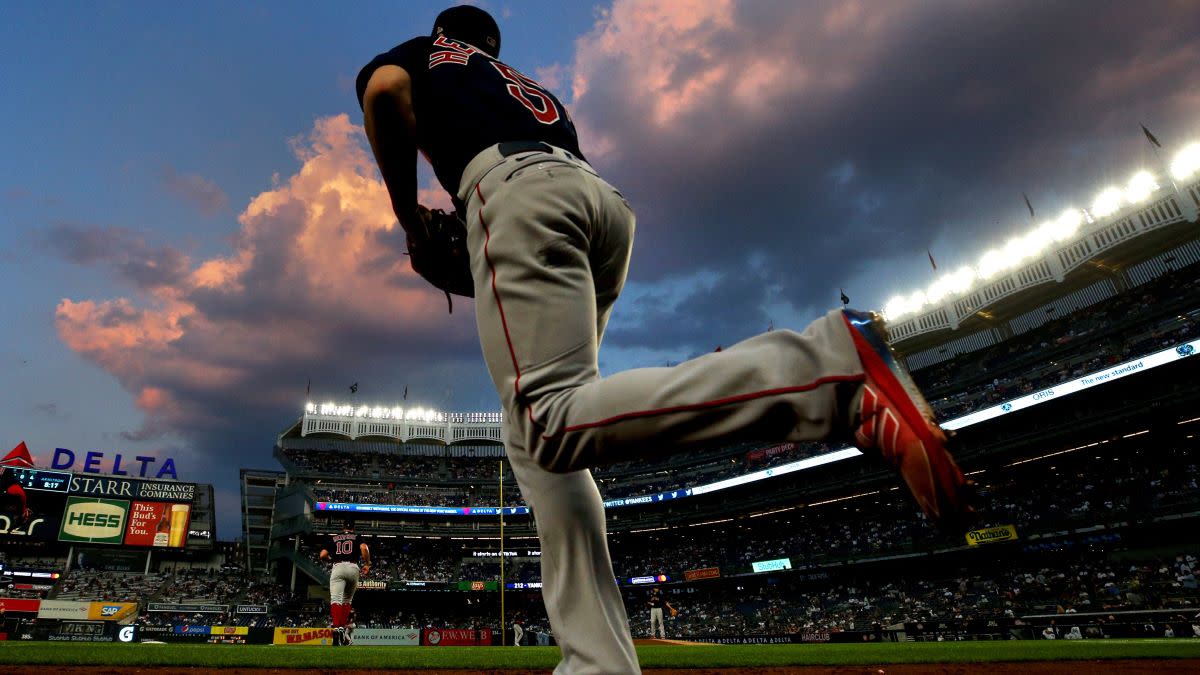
{"x": 392, "y": 130}
{"x": 366, "y": 558}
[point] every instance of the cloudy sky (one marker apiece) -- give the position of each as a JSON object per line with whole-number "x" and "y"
{"x": 192, "y": 228}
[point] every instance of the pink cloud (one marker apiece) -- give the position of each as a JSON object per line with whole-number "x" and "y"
{"x": 314, "y": 268}
{"x": 707, "y": 72}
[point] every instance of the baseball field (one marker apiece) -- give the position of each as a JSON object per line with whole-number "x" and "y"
{"x": 1025, "y": 657}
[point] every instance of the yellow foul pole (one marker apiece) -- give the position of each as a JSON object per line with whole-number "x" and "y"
{"x": 503, "y": 635}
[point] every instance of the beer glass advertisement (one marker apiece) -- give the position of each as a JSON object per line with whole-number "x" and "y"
{"x": 31, "y": 502}
{"x": 157, "y": 524}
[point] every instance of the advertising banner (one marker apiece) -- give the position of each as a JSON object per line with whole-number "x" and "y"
{"x": 372, "y": 585}
{"x": 83, "y": 632}
{"x": 702, "y": 573}
{"x": 991, "y": 535}
{"x": 111, "y": 611}
{"x": 653, "y": 579}
{"x": 94, "y": 520}
{"x": 64, "y": 609}
{"x": 303, "y": 636}
{"x": 409, "y": 585}
{"x": 408, "y": 637}
{"x": 111, "y": 559}
{"x": 157, "y": 524}
{"x": 186, "y": 608}
{"x": 230, "y": 630}
{"x": 251, "y": 609}
{"x": 44, "y": 493}
{"x": 144, "y": 490}
{"x": 772, "y": 565}
{"x": 193, "y": 634}
{"x": 479, "y": 585}
{"x": 10, "y": 605}
{"x": 455, "y": 637}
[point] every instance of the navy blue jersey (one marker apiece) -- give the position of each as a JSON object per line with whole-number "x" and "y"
{"x": 343, "y": 547}
{"x": 464, "y": 101}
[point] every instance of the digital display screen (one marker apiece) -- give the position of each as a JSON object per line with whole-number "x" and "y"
{"x": 772, "y": 565}
{"x": 39, "y": 479}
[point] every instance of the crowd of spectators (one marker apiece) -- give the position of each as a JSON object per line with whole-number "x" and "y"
{"x": 1069, "y": 586}
{"x": 1156, "y": 315}
{"x": 1075, "y": 491}
{"x": 203, "y": 585}
{"x": 112, "y": 586}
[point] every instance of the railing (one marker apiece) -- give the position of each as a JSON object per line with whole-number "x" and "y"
{"x": 312, "y": 569}
{"x": 1169, "y": 208}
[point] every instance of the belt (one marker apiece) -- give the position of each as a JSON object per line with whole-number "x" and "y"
{"x": 510, "y": 148}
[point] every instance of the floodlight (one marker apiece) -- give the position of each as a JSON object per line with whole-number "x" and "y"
{"x": 1187, "y": 162}
{"x": 1067, "y": 224}
{"x": 990, "y": 264}
{"x": 1108, "y": 202}
{"x": 1140, "y": 187}
{"x": 962, "y": 279}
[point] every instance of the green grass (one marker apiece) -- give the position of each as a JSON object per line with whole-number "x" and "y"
{"x": 265, "y": 656}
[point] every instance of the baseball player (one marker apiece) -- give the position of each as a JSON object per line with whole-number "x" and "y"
{"x": 345, "y": 551}
{"x": 518, "y": 631}
{"x": 656, "y": 602}
{"x": 542, "y": 243}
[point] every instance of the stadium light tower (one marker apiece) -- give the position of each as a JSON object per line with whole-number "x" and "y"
{"x": 1186, "y": 163}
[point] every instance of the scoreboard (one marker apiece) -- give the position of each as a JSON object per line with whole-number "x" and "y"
{"x": 40, "y": 479}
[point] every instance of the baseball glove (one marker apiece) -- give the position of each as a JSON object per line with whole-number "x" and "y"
{"x": 674, "y": 612}
{"x": 437, "y": 249}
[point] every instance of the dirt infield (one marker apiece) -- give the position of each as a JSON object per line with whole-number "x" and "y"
{"x": 1123, "y": 666}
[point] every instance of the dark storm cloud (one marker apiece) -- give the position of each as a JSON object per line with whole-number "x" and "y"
{"x": 828, "y": 139}
{"x": 127, "y": 254}
{"x": 202, "y": 194}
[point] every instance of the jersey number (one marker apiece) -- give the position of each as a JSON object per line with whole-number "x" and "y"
{"x": 344, "y": 547}
{"x": 530, "y": 94}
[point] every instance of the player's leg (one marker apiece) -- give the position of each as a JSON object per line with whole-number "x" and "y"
{"x": 550, "y": 249}
{"x": 581, "y": 595}
{"x": 337, "y": 591}
{"x": 348, "y": 601}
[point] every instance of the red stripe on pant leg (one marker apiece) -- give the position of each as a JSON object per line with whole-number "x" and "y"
{"x": 708, "y": 404}
{"x": 496, "y": 294}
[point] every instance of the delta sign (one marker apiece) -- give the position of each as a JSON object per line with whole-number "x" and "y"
{"x": 93, "y": 462}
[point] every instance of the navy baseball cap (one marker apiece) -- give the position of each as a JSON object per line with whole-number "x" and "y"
{"x": 470, "y": 25}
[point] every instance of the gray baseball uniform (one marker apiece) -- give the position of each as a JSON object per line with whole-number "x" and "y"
{"x": 343, "y": 581}
{"x": 550, "y": 243}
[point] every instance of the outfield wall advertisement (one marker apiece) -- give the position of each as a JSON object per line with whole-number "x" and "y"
{"x": 404, "y": 637}
{"x": 303, "y": 636}
{"x": 455, "y": 637}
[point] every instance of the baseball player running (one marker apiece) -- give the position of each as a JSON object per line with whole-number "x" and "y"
{"x": 656, "y": 602}
{"x": 543, "y": 246}
{"x": 345, "y": 551}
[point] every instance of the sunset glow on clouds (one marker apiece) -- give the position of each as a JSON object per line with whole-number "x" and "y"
{"x": 316, "y": 259}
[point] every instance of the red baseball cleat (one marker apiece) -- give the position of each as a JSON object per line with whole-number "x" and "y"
{"x": 896, "y": 422}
